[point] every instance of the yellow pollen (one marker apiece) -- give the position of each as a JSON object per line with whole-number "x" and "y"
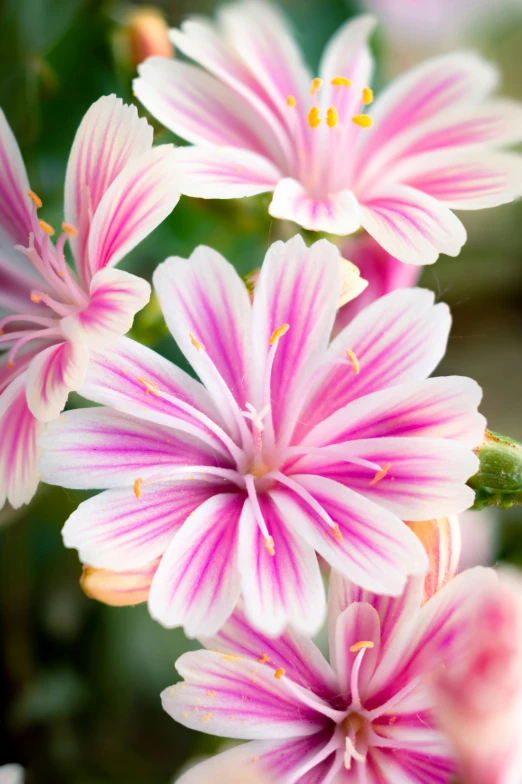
{"x": 70, "y": 230}
{"x": 363, "y": 120}
{"x": 367, "y": 95}
{"x": 380, "y": 474}
{"x": 195, "y": 342}
{"x": 264, "y": 659}
{"x": 35, "y": 198}
{"x": 359, "y": 645}
{"x": 10, "y": 364}
{"x": 269, "y": 544}
{"x": 316, "y": 85}
{"x": 290, "y": 101}
{"x": 353, "y": 361}
{"x": 46, "y": 227}
{"x": 341, "y": 81}
{"x": 35, "y": 298}
{"x": 278, "y": 333}
{"x": 279, "y": 673}
{"x": 149, "y": 386}
{"x": 211, "y": 693}
{"x": 137, "y": 487}
{"x": 231, "y": 657}
{"x": 313, "y": 117}
{"x": 207, "y": 717}
{"x": 332, "y": 118}
{"x": 337, "y": 532}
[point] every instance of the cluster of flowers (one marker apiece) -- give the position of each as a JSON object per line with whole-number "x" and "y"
{"x": 224, "y": 497}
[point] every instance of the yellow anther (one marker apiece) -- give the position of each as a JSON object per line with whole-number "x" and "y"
{"x": 195, "y": 342}
{"x": 367, "y": 95}
{"x": 70, "y": 230}
{"x": 279, "y": 673}
{"x": 137, "y": 487}
{"x": 264, "y": 659}
{"x": 332, "y": 118}
{"x": 231, "y": 657}
{"x": 278, "y": 333}
{"x": 290, "y": 101}
{"x": 380, "y": 474}
{"x": 149, "y": 386}
{"x": 35, "y": 198}
{"x": 313, "y": 117}
{"x": 269, "y": 544}
{"x": 207, "y": 717}
{"x": 359, "y": 645}
{"x": 354, "y": 362}
{"x": 10, "y": 364}
{"x": 341, "y": 81}
{"x": 46, "y": 227}
{"x": 363, "y": 120}
{"x": 35, "y": 298}
{"x": 337, "y": 532}
{"x": 316, "y": 85}
{"x": 211, "y": 693}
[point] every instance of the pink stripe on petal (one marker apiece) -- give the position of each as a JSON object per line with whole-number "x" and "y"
{"x": 336, "y": 213}
{"x": 52, "y": 374}
{"x": 15, "y": 205}
{"x": 358, "y": 623}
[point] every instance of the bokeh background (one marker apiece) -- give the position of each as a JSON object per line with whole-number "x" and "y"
{"x": 80, "y": 682}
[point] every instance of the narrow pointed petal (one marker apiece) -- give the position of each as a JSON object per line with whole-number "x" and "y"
{"x": 52, "y": 374}
{"x": 19, "y": 475}
{"x": 359, "y": 623}
{"x": 115, "y": 298}
{"x": 15, "y": 204}
{"x": 197, "y": 582}
{"x": 121, "y": 529}
{"x": 119, "y": 589}
{"x": 280, "y": 588}
{"x": 110, "y": 136}
{"x": 137, "y": 201}
{"x": 336, "y": 214}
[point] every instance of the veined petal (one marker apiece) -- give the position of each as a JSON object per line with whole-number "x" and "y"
{"x": 197, "y": 582}
{"x": 17, "y": 279}
{"x": 358, "y": 623}
{"x": 52, "y": 374}
{"x": 15, "y": 215}
{"x": 240, "y": 698}
{"x": 19, "y": 476}
{"x": 115, "y": 298}
{"x": 122, "y": 529}
{"x": 110, "y": 136}
{"x": 442, "y": 541}
{"x": 137, "y": 201}
{"x": 336, "y": 214}
{"x": 284, "y": 587}
{"x": 224, "y": 172}
{"x": 409, "y": 766}
{"x": 373, "y": 548}
{"x": 102, "y": 448}
{"x": 119, "y": 589}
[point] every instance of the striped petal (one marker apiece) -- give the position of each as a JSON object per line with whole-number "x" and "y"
{"x": 52, "y": 374}
{"x": 337, "y": 213}
{"x": 15, "y": 205}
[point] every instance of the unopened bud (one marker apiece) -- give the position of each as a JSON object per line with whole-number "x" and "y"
{"x": 144, "y": 33}
{"x": 498, "y": 482}
{"x": 119, "y": 589}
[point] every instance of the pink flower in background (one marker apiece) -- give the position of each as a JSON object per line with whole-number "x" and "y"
{"x": 259, "y": 122}
{"x": 480, "y": 698}
{"x": 291, "y": 446}
{"x": 117, "y": 190}
{"x": 368, "y": 716}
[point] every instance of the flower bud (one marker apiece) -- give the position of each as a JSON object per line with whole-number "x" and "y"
{"x": 119, "y": 589}
{"x": 498, "y": 482}
{"x": 145, "y": 34}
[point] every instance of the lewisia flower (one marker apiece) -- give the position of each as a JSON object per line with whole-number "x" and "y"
{"x": 259, "y": 122}
{"x": 367, "y": 716}
{"x": 289, "y": 446}
{"x": 117, "y": 190}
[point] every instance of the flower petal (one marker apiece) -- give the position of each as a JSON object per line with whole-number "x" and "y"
{"x": 137, "y": 201}
{"x": 285, "y": 587}
{"x": 52, "y": 374}
{"x": 412, "y": 226}
{"x": 115, "y": 298}
{"x": 236, "y": 698}
{"x": 122, "y": 529}
{"x": 15, "y": 214}
{"x": 119, "y": 589}
{"x": 336, "y": 214}
{"x": 360, "y": 622}
{"x": 442, "y": 541}
{"x": 410, "y": 766}
{"x": 377, "y": 550}
{"x": 224, "y": 172}
{"x": 19, "y": 476}
{"x": 110, "y": 136}
{"x": 197, "y": 582}
{"x": 17, "y": 279}
{"x": 100, "y": 448}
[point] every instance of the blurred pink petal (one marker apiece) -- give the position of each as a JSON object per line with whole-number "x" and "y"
{"x": 480, "y": 538}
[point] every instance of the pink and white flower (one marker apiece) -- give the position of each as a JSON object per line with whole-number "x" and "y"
{"x": 367, "y": 716}
{"x": 117, "y": 190}
{"x": 291, "y": 446}
{"x": 259, "y": 122}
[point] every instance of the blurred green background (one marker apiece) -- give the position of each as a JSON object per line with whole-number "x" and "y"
{"x": 80, "y": 682}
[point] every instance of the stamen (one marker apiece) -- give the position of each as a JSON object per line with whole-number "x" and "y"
{"x": 264, "y": 659}
{"x": 278, "y": 333}
{"x": 354, "y": 677}
{"x": 341, "y": 81}
{"x": 362, "y": 644}
{"x": 380, "y": 474}
{"x": 290, "y": 101}
{"x": 354, "y": 362}
{"x": 363, "y": 120}
{"x": 256, "y": 416}
{"x": 350, "y": 752}
{"x": 337, "y": 533}
{"x": 195, "y": 342}
{"x": 137, "y": 487}
{"x": 35, "y": 198}
{"x": 35, "y": 298}
{"x": 269, "y": 544}
{"x": 367, "y": 95}
{"x": 258, "y": 514}
{"x": 316, "y": 85}
{"x": 313, "y": 117}
{"x": 70, "y": 230}
{"x": 332, "y": 117}
{"x": 46, "y": 227}
{"x": 280, "y": 673}
{"x": 150, "y": 388}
